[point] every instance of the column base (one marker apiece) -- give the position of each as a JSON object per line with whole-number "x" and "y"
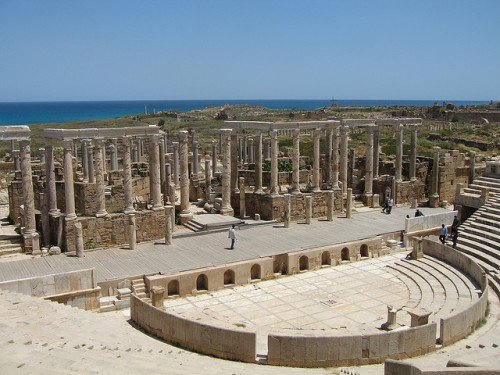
{"x": 413, "y": 179}
{"x": 55, "y": 213}
{"x": 227, "y": 211}
{"x": 258, "y": 191}
{"x": 316, "y": 190}
{"x": 434, "y": 201}
{"x": 236, "y": 191}
{"x": 157, "y": 208}
{"x": 70, "y": 217}
{"x": 129, "y": 211}
{"x": 368, "y": 199}
{"x": 185, "y": 216}
{"x": 31, "y": 241}
{"x": 101, "y": 214}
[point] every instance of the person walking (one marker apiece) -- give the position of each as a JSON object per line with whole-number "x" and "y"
{"x": 454, "y": 226}
{"x": 232, "y": 236}
{"x": 390, "y": 204}
{"x": 444, "y": 233}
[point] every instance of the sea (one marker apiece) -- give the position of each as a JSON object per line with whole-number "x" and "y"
{"x": 26, "y": 113}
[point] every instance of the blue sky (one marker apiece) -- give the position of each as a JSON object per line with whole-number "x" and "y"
{"x": 311, "y": 49}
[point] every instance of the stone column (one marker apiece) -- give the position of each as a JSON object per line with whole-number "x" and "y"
{"x": 196, "y": 168}
{"x": 113, "y": 150}
{"x": 132, "y": 233}
{"x": 434, "y": 198}
{"x": 214, "y": 157}
{"x": 45, "y": 219}
{"x": 344, "y": 137}
{"x": 163, "y": 187}
{"x": 258, "y": 162}
{"x": 99, "y": 176}
{"x": 288, "y": 210}
{"x": 274, "y": 162}
{"x": 243, "y": 211}
{"x": 168, "y": 182}
{"x": 127, "y": 178}
{"x": 233, "y": 160}
{"x": 328, "y": 155}
{"x": 399, "y": 152}
{"x": 240, "y": 150}
{"x": 330, "y": 206}
{"x": 169, "y": 211}
{"x": 79, "y": 239}
{"x": 296, "y": 162}
{"x": 413, "y": 153}
{"x": 316, "y": 174}
{"x": 69, "y": 189}
{"x": 208, "y": 179}
{"x": 265, "y": 146}
{"x": 376, "y": 144}
{"x": 42, "y": 155}
{"x": 176, "y": 163}
{"x": 349, "y": 203}
{"x": 245, "y": 150}
{"x": 369, "y": 166}
{"x": 154, "y": 174}
{"x": 472, "y": 166}
{"x": 91, "y": 163}
{"x": 308, "y": 209}
{"x": 85, "y": 160}
{"x": 251, "y": 149}
{"x": 50, "y": 178}
{"x": 27, "y": 189}
{"x": 15, "y": 156}
{"x": 335, "y": 157}
{"x": 185, "y": 215}
{"x": 227, "y": 163}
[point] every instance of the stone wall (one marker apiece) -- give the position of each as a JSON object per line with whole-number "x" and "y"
{"x": 113, "y": 229}
{"x": 226, "y": 342}
{"x": 453, "y": 170}
{"x": 405, "y": 190}
{"x": 405, "y": 368}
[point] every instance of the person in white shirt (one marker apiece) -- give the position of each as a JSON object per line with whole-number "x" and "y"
{"x": 232, "y": 236}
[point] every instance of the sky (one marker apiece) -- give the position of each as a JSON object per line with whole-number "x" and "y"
{"x": 310, "y": 49}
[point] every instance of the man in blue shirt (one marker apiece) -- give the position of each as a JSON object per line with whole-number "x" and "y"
{"x": 444, "y": 233}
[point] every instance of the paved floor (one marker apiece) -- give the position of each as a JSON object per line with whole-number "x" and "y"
{"x": 213, "y": 248}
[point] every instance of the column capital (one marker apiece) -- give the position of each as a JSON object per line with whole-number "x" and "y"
{"x": 296, "y": 132}
{"x": 273, "y": 134}
{"x": 183, "y": 136}
{"x": 24, "y": 145}
{"x": 316, "y": 132}
{"x": 155, "y": 138}
{"x": 67, "y": 144}
{"x": 344, "y": 129}
{"x": 98, "y": 142}
{"x": 126, "y": 138}
{"x": 49, "y": 142}
{"x": 398, "y": 127}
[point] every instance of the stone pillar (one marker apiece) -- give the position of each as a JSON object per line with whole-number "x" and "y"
{"x": 185, "y": 214}
{"x": 351, "y": 166}
{"x": 233, "y": 160}
{"x": 335, "y": 157}
{"x": 376, "y": 144}
{"x": 154, "y": 173}
{"x": 157, "y": 293}
{"x": 265, "y": 145}
{"x": 208, "y": 179}
{"x": 85, "y": 160}
{"x": 163, "y": 187}
{"x": 399, "y": 152}
{"x": 50, "y": 178}
{"x": 243, "y": 211}
{"x": 113, "y": 150}
{"x": 369, "y": 166}
{"x": 240, "y": 150}
{"x": 91, "y": 163}
{"x": 28, "y": 198}
{"x": 251, "y": 151}
{"x": 169, "y": 211}
{"x": 196, "y": 168}
{"x": 168, "y": 182}
{"x": 328, "y": 155}
{"x": 288, "y": 210}
{"x": 344, "y": 137}
{"x": 135, "y": 153}
{"x": 104, "y": 168}
{"x": 15, "y": 156}
{"x": 127, "y": 178}
{"x": 330, "y": 206}
{"x": 349, "y": 203}
{"x": 227, "y": 163}
{"x": 99, "y": 176}
{"x": 245, "y": 150}
{"x": 69, "y": 189}
{"x": 42, "y": 155}
{"x": 308, "y": 209}
{"x": 472, "y": 166}
{"x": 274, "y": 162}
{"x": 214, "y": 157}
{"x": 45, "y": 219}
{"x": 413, "y": 153}
{"x": 434, "y": 198}
{"x": 79, "y": 239}
{"x": 316, "y": 159}
{"x": 258, "y": 162}
{"x": 296, "y": 162}
{"x": 132, "y": 231}
{"x": 176, "y": 164}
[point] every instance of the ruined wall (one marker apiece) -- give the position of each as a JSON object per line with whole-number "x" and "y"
{"x": 113, "y": 229}
{"x": 453, "y": 170}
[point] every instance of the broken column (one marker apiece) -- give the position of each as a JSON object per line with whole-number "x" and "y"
{"x": 399, "y": 152}
{"x": 154, "y": 174}
{"x": 226, "y": 208}
{"x": 349, "y": 203}
{"x": 196, "y": 168}
{"x": 127, "y": 177}
{"x": 30, "y": 235}
{"x": 79, "y": 239}
{"x": 434, "y": 198}
{"x": 413, "y": 153}
{"x": 295, "y": 162}
{"x": 132, "y": 231}
{"x": 15, "y": 156}
{"x": 157, "y": 296}
{"x": 169, "y": 211}
{"x": 69, "y": 190}
{"x": 288, "y": 210}
{"x": 344, "y": 137}
{"x": 330, "y": 205}
{"x": 308, "y": 209}
{"x": 214, "y": 157}
{"x": 251, "y": 151}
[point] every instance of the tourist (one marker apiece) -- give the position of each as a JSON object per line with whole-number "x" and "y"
{"x": 390, "y": 204}
{"x": 444, "y": 233}
{"x": 454, "y": 226}
{"x": 454, "y": 237}
{"x": 418, "y": 213}
{"x": 386, "y": 204}
{"x": 232, "y": 236}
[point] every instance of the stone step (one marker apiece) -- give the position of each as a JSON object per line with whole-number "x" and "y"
{"x": 489, "y": 208}
{"x": 141, "y": 295}
{"x": 491, "y": 179}
{"x": 413, "y": 288}
{"x": 141, "y": 289}
{"x": 195, "y": 227}
{"x": 480, "y": 247}
{"x": 487, "y": 221}
{"x": 474, "y": 227}
{"x": 488, "y": 239}
{"x": 484, "y": 260}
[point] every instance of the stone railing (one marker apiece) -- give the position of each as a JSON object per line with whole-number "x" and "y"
{"x": 459, "y": 325}
{"x": 75, "y": 288}
{"x": 221, "y": 341}
{"x": 423, "y": 223}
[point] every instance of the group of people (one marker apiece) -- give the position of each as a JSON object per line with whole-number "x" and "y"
{"x": 454, "y": 232}
{"x": 389, "y": 202}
